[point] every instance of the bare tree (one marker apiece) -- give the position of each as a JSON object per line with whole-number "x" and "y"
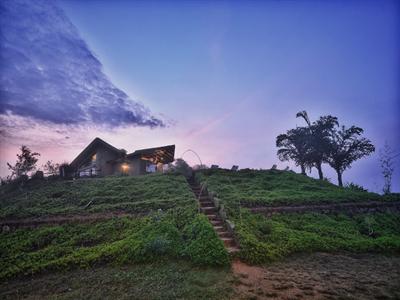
{"x": 386, "y": 158}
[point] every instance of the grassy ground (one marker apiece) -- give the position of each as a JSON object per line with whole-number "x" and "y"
{"x": 167, "y": 279}
{"x": 155, "y": 257}
{"x": 179, "y": 233}
{"x": 129, "y": 194}
{"x": 269, "y": 239}
{"x": 274, "y": 187}
{"x": 265, "y": 239}
{"x": 306, "y": 276}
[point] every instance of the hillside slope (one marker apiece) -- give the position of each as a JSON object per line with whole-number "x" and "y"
{"x": 172, "y": 228}
{"x": 128, "y": 194}
{"x": 275, "y": 187}
{"x": 267, "y": 238}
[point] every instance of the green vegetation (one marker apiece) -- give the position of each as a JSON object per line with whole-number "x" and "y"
{"x": 167, "y": 279}
{"x": 267, "y": 239}
{"x": 177, "y": 233}
{"x": 204, "y": 246}
{"x": 172, "y": 230}
{"x": 275, "y": 187}
{"x": 129, "y": 194}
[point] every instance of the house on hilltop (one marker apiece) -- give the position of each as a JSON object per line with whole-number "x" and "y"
{"x": 101, "y": 159}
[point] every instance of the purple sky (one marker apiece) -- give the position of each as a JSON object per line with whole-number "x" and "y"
{"x": 221, "y": 78}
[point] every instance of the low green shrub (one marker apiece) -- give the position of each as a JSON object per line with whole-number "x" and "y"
{"x": 180, "y": 233}
{"x": 292, "y": 233}
{"x": 156, "y": 239}
{"x": 265, "y": 228}
{"x": 202, "y": 244}
{"x": 355, "y": 187}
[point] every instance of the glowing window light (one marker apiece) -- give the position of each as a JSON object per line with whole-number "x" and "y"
{"x": 125, "y": 167}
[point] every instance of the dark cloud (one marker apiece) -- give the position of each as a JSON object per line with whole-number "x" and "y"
{"x": 47, "y": 71}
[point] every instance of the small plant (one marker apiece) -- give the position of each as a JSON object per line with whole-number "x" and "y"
{"x": 265, "y": 228}
{"x": 355, "y": 187}
{"x": 158, "y": 246}
{"x": 367, "y": 226}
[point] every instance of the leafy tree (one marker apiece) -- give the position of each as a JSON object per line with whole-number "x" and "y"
{"x": 386, "y": 157}
{"x": 25, "y": 163}
{"x": 182, "y": 167}
{"x": 347, "y": 146}
{"x": 200, "y": 167}
{"x": 52, "y": 169}
{"x": 294, "y": 147}
{"x": 318, "y": 139}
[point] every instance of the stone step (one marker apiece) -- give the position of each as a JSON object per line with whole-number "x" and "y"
{"x": 219, "y": 228}
{"x": 209, "y": 210}
{"x": 232, "y": 249}
{"x": 213, "y": 217}
{"x": 201, "y": 194}
{"x": 217, "y": 223}
{"x": 224, "y": 234}
{"x": 198, "y": 195}
{"x": 207, "y": 204}
{"x": 206, "y": 200}
{"x": 228, "y": 242}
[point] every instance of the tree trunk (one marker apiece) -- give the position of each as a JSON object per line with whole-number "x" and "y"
{"x": 303, "y": 170}
{"x": 319, "y": 168}
{"x": 339, "y": 178}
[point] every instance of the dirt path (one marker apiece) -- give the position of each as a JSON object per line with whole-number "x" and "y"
{"x": 345, "y": 207}
{"x": 57, "y": 220}
{"x": 321, "y": 276}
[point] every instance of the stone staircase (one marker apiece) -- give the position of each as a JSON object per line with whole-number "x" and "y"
{"x": 208, "y": 208}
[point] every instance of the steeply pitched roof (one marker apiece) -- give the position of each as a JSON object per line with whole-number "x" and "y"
{"x": 97, "y": 142}
{"x": 163, "y": 154}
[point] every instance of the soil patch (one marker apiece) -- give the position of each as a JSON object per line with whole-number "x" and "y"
{"x": 321, "y": 276}
{"x": 11, "y": 224}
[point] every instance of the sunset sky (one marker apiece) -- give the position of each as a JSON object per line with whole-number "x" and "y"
{"x": 223, "y": 78}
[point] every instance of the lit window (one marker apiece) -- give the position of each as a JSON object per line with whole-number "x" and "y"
{"x": 94, "y": 157}
{"x": 125, "y": 168}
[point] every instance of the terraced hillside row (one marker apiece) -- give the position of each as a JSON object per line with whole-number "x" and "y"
{"x": 171, "y": 229}
{"x": 274, "y": 187}
{"x": 175, "y": 234}
{"x": 127, "y": 194}
{"x": 267, "y": 238}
